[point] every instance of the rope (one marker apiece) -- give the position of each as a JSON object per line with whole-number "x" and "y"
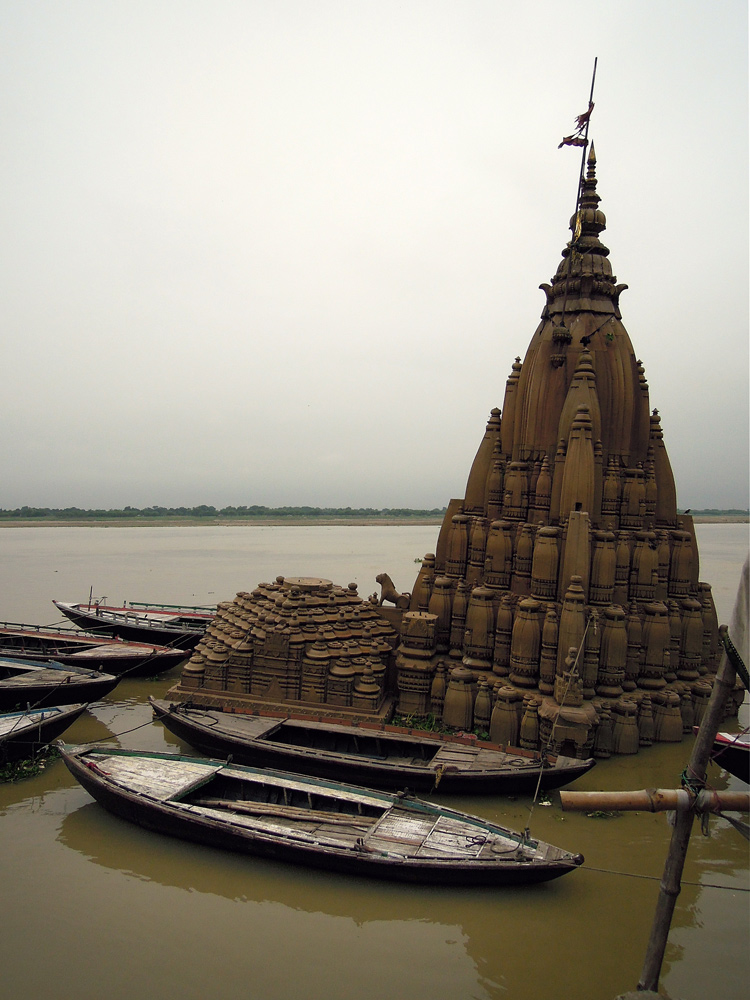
{"x": 116, "y": 736}
{"x": 105, "y": 739}
{"x": 526, "y": 835}
{"x": 657, "y": 878}
{"x": 545, "y": 749}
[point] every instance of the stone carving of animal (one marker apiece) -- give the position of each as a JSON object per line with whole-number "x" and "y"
{"x": 389, "y": 593}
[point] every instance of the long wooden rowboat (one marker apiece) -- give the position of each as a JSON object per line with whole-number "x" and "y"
{"x": 23, "y": 733}
{"x": 308, "y": 821}
{"x": 34, "y": 683}
{"x": 164, "y": 624}
{"x": 379, "y": 757}
{"x": 75, "y": 648}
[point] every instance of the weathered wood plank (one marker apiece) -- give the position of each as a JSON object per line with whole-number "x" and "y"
{"x": 309, "y": 832}
{"x": 454, "y": 753}
{"x": 289, "y": 812}
{"x": 154, "y": 777}
{"x": 278, "y": 780}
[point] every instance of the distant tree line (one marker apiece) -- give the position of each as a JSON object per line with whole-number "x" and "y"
{"x": 205, "y": 510}
{"x": 256, "y": 510}
{"x": 712, "y": 512}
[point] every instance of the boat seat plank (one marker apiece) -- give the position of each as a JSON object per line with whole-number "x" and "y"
{"x": 247, "y": 726}
{"x": 450, "y": 753}
{"x": 288, "y": 812}
{"x": 450, "y": 837}
{"x": 402, "y": 827}
{"x": 294, "y": 783}
{"x": 489, "y": 758}
{"x": 113, "y": 650}
{"x": 153, "y": 777}
{"x": 310, "y": 831}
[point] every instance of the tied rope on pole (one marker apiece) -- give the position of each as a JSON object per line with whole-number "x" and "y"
{"x": 573, "y": 673}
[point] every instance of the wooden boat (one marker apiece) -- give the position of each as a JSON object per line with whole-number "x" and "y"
{"x": 29, "y": 682}
{"x": 24, "y": 733}
{"x": 732, "y": 752}
{"x": 308, "y": 821}
{"x": 377, "y": 756}
{"x": 179, "y": 626}
{"x": 74, "y": 648}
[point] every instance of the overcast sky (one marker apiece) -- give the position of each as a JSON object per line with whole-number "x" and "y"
{"x": 285, "y": 252}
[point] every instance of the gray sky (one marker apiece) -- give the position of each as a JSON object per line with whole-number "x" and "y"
{"x": 279, "y": 252}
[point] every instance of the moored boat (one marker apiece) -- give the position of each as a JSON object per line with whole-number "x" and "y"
{"x": 75, "y": 648}
{"x": 34, "y": 683}
{"x": 24, "y": 733}
{"x": 368, "y": 754}
{"x": 180, "y": 626}
{"x": 309, "y": 821}
{"x": 732, "y": 752}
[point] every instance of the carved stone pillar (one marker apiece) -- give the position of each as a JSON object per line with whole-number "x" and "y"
{"x": 525, "y": 644}
{"x": 544, "y": 565}
{"x": 503, "y": 635}
{"x": 479, "y": 633}
{"x": 655, "y": 647}
{"x": 440, "y": 606}
{"x": 613, "y": 653}
{"x": 603, "y": 563}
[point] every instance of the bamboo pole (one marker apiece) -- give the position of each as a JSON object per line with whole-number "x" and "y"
{"x": 657, "y": 800}
{"x": 695, "y": 774}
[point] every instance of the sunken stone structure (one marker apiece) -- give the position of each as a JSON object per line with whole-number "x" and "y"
{"x": 298, "y": 640}
{"x": 562, "y": 606}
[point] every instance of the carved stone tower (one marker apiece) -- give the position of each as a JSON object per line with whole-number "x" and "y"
{"x": 562, "y": 606}
{"x": 565, "y": 572}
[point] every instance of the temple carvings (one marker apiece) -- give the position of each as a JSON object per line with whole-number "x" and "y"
{"x": 562, "y": 605}
{"x": 299, "y": 640}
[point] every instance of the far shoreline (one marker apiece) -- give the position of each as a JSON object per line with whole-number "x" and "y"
{"x": 267, "y": 522}
{"x": 215, "y": 522}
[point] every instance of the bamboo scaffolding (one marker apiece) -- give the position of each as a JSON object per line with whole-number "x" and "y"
{"x": 657, "y": 800}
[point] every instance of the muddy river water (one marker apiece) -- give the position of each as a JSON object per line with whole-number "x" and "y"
{"x": 96, "y": 908}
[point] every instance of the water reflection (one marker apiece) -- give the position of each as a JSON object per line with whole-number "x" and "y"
{"x": 101, "y": 838}
{"x": 388, "y": 928}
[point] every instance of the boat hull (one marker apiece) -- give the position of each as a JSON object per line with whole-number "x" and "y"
{"x": 133, "y": 626}
{"x": 181, "y": 819}
{"x": 36, "y": 683}
{"x": 733, "y": 754}
{"x": 114, "y": 656}
{"x": 455, "y": 766}
{"x": 23, "y": 734}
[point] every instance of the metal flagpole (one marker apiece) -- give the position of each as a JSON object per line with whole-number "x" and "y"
{"x": 584, "y": 151}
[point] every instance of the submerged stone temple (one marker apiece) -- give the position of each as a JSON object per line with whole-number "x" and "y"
{"x": 562, "y": 605}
